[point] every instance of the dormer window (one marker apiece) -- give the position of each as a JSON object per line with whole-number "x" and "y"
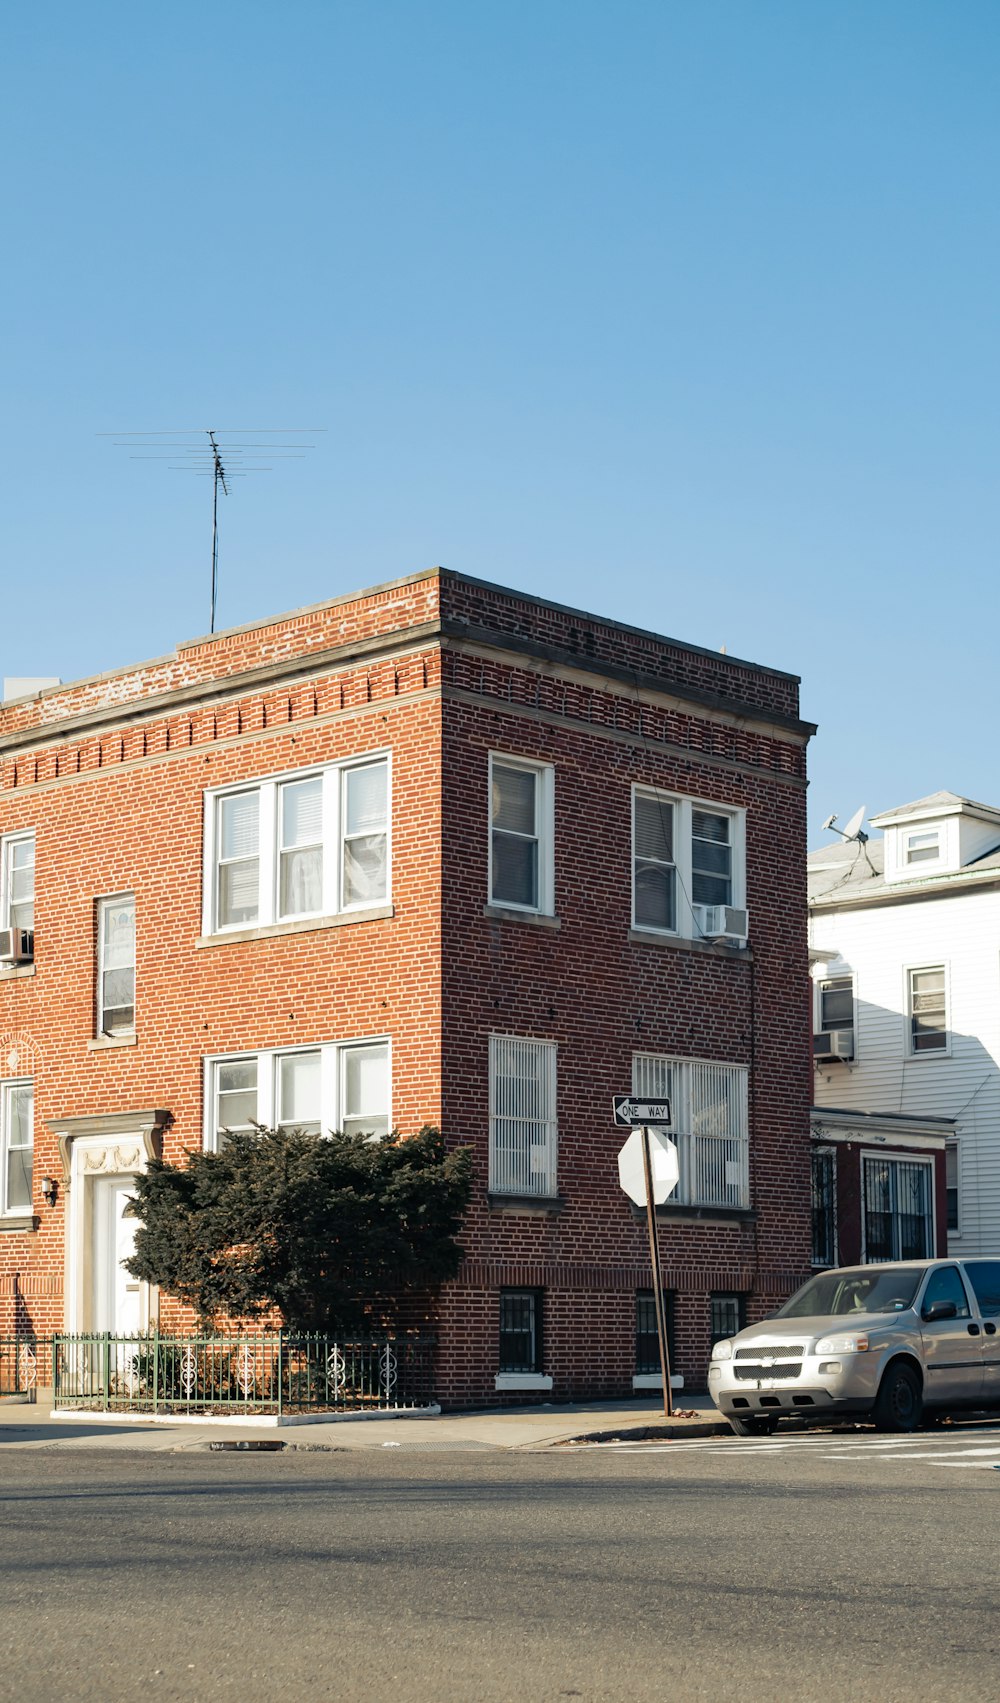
{"x": 923, "y": 846}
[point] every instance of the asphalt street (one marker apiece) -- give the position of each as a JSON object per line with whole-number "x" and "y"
{"x": 816, "y": 1568}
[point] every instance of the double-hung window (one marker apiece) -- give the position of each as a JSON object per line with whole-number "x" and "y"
{"x": 824, "y": 1206}
{"x": 710, "y": 1125}
{"x": 923, "y": 846}
{"x": 307, "y": 844}
{"x": 523, "y": 1130}
{"x": 335, "y": 1086}
{"x": 16, "y": 1148}
{"x": 521, "y": 852}
{"x": 951, "y": 1183}
{"x": 836, "y": 1004}
{"x": 116, "y": 965}
{"x": 927, "y": 1010}
{"x": 17, "y": 881}
{"x": 687, "y": 861}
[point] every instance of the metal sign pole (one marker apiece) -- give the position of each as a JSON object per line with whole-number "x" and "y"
{"x": 654, "y": 1260}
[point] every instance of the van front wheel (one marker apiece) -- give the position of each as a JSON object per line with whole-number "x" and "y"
{"x": 900, "y": 1402}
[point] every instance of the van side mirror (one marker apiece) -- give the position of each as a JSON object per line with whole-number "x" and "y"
{"x": 939, "y": 1310}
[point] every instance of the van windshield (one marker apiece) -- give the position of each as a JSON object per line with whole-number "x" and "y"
{"x": 863, "y": 1289}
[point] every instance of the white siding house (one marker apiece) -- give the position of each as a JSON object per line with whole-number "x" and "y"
{"x": 905, "y": 944}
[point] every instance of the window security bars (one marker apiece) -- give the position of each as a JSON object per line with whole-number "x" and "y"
{"x": 523, "y": 1136}
{"x": 268, "y": 1372}
{"x": 710, "y": 1126}
{"x": 520, "y": 1330}
{"x": 824, "y": 1207}
{"x": 897, "y": 1210}
{"x": 647, "y": 1341}
{"x": 726, "y": 1316}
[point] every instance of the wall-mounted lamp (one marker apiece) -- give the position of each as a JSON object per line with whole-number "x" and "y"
{"x": 49, "y": 1190}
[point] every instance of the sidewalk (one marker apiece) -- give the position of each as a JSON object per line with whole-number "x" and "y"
{"x": 23, "y": 1426}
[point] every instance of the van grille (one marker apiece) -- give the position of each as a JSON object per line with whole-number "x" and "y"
{"x": 769, "y": 1360}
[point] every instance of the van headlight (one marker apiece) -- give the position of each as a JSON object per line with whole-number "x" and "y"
{"x": 722, "y": 1350}
{"x": 841, "y": 1344}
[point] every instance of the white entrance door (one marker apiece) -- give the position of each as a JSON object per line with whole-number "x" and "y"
{"x": 117, "y": 1295}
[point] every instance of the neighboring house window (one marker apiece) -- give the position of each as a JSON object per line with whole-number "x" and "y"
{"x": 896, "y": 1198}
{"x": 523, "y": 1129}
{"x": 521, "y": 834}
{"x": 923, "y": 847}
{"x": 824, "y": 1206}
{"x": 520, "y": 1330}
{"x": 647, "y": 1342}
{"x": 687, "y": 858}
{"x": 710, "y": 1125}
{"x": 309, "y": 1088}
{"x": 927, "y": 1014}
{"x": 836, "y": 1004}
{"x": 17, "y": 881}
{"x": 727, "y": 1315}
{"x": 299, "y": 845}
{"x": 116, "y": 965}
{"x": 17, "y": 1135}
{"x": 951, "y": 1186}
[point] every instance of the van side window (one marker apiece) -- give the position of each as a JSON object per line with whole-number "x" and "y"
{"x": 946, "y": 1285}
{"x": 984, "y": 1275}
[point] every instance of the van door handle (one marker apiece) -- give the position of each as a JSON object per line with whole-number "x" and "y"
{"x": 973, "y": 1330}
{"x": 991, "y": 1330}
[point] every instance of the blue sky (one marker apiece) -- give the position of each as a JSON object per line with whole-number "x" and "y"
{"x": 684, "y": 313}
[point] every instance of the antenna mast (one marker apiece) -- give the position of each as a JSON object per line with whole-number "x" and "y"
{"x": 218, "y": 478}
{"x": 247, "y": 451}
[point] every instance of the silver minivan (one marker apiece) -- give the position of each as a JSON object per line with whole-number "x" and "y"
{"x": 889, "y": 1342}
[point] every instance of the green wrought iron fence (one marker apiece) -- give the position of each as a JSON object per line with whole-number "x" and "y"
{"x": 23, "y": 1364}
{"x": 269, "y": 1372}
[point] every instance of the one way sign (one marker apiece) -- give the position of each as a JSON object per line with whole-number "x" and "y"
{"x": 629, "y": 1112}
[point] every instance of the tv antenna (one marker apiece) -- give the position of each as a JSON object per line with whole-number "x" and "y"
{"x": 202, "y": 453}
{"x": 852, "y": 830}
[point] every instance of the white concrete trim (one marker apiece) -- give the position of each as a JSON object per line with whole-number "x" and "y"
{"x": 522, "y": 1381}
{"x": 654, "y": 1381}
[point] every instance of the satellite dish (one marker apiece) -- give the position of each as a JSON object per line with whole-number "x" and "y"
{"x": 851, "y": 830}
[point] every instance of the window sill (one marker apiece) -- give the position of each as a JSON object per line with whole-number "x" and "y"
{"x": 654, "y": 1381}
{"x": 298, "y": 925}
{"x": 99, "y": 1044}
{"x": 30, "y": 1223}
{"x": 711, "y": 948}
{"x": 507, "y": 913}
{"x": 522, "y": 1381}
{"x": 700, "y": 1214}
{"x": 530, "y": 1205}
{"x": 11, "y": 972}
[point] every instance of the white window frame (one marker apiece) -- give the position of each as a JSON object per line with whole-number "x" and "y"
{"x": 102, "y": 904}
{"x": 911, "y": 1052}
{"x": 826, "y": 985}
{"x": 7, "y": 843}
{"x": 544, "y": 832}
{"x": 701, "y": 1153}
{"x": 895, "y": 1160}
{"x": 332, "y": 1056}
{"x": 7, "y": 1088}
{"x": 687, "y": 924}
{"x": 910, "y": 835}
{"x": 267, "y": 788}
{"x": 536, "y": 1172}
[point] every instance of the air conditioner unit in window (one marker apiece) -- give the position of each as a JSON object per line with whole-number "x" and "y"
{"x": 17, "y": 945}
{"x": 722, "y": 922}
{"x": 833, "y": 1044}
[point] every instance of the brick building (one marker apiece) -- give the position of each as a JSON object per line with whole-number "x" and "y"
{"x": 434, "y": 852}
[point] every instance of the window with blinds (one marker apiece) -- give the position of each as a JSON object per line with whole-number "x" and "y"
{"x": 688, "y": 860}
{"x": 17, "y": 1139}
{"x": 523, "y": 1130}
{"x": 709, "y": 1106}
{"x": 928, "y": 1016}
{"x": 521, "y": 841}
{"x": 116, "y": 965}
{"x": 298, "y": 846}
{"x": 17, "y": 881}
{"x": 334, "y": 1086}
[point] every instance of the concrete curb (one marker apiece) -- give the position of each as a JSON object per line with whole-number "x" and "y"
{"x": 664, "y": 1433}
